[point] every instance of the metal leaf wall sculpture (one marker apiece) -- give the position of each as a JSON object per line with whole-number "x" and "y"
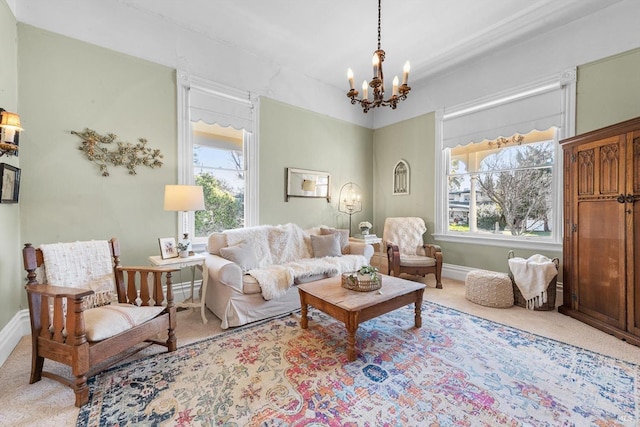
{"x": 106, "y": 150}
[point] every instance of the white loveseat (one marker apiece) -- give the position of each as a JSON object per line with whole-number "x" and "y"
{"x": 253, "y": 271}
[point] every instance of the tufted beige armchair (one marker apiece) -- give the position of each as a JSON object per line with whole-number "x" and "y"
{"x": 406, "y": 251}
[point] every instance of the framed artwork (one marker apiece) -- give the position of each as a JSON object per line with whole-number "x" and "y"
{"x": 401, "y": 178}
{"x": 308, "y": 183}
{"x": 9, "y": 183}
{"x": 168, "y": 247}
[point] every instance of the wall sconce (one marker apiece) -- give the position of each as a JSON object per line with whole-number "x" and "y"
{"x": 9, "y": 132}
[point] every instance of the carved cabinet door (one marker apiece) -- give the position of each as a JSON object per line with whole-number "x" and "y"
{"x": 599, "y": 226}
{"x": 632, "y": 211}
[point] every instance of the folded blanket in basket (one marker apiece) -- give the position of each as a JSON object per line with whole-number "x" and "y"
{"x": 532, "y": 277}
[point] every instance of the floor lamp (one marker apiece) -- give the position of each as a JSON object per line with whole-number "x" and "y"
{"x": 350, "y": 200}
{"x": 184, "y": 198}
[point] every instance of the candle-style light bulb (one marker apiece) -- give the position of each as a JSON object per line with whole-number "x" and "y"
{"x": 350, "y": 77}
{"x": 375, "y": 61}
{"x": 395, "y": 86}
{"x": 405, "y": 72}
{"x": 365, "y": 90}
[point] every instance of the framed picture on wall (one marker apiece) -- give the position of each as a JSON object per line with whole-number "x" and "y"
{"x": 168, "y": 247}
{"x": 9, "y": 183}
{"x": 308, "y": 183}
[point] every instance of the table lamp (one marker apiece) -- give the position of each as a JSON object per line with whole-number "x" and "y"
{"x": 184, "y": 198}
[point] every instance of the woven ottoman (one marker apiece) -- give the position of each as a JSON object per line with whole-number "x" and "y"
{"x": 489, "y": 288}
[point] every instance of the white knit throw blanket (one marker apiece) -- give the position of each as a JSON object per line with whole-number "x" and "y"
{"x": 272, "y": 244}
{"x": 275, "y": 280}
{"x": 532, "y": 276}
{"x": 81, "y": 265}
{"x": 283, "y": 253}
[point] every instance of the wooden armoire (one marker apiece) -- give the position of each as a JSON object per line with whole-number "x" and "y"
{"x": 601, "y": 229}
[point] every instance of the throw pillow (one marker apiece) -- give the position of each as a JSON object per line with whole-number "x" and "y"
{"x": 242, "y": 254}
{"x": 328, "y": 245}
{"x": 344, "y": 235}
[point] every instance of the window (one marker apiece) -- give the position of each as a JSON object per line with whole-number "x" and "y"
{"x": 219, "y": 167}
{"x": 218, "y": 151}
{"x": 499, "y": 179}
{"x": 503, "y": 187}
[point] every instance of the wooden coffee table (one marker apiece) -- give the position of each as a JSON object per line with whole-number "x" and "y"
{"x": 353, "y": 308}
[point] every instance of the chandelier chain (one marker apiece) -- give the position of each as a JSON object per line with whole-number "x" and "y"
{"x": 379, "y": 12}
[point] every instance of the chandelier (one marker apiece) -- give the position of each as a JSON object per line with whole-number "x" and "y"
{"x": 399, "y": 93}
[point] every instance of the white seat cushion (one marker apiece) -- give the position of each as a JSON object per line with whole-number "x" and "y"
{"x": 250, "y": 285}
{"x": 416, "y": 261}
{"x": 109, "y": 320}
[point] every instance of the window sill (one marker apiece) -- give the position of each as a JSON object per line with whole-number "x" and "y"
{"x": 515, "y": 243}
{"x": 199, "y": 247}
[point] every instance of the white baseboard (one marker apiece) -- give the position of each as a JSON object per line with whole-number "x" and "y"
{"x": 12, "y": 333}
{"x": 456, "y": 272}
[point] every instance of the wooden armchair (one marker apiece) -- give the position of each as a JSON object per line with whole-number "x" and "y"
{"x": 406, "y": 251}
{"x": 75, "y": 319}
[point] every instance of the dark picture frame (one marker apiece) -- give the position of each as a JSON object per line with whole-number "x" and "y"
{"x": 9, "y": 183}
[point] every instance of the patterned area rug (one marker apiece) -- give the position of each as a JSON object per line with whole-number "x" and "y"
{"x": 457, "y": 370}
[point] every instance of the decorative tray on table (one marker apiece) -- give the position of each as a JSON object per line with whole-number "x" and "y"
{"x": 364, "y": 280}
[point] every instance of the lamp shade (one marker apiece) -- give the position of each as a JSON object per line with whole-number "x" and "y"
{"x": 183, "y": 198}
{"x": 10, "y": 120}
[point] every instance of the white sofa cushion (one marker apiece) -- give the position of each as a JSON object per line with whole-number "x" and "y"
{"x": 242, "y": 255}
{"x": 343, "y": 233}
{"x": 109, "y": 320}
{"x": 324, "y": 246}
{"x": 250, "y": 285}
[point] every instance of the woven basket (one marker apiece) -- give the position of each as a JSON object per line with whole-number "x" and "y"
{"x": 353, "y": 282}
{"x": 519, "y": 300}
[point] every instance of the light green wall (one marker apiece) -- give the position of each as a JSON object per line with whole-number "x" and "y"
{"x": 413, "y": 141}
{"x": 69, "y": 85}
{"x": 11, "y": 284}
{"x": 608, "y": 91}
{"x": 293, "y": 137}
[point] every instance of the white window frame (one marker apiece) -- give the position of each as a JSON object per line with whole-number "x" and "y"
{"x": 566, "y": 82}
{"x": 185, "y": 82}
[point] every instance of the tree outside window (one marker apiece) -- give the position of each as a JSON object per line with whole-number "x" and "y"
{"x": 503, "y": 187}
{"x": 219, "y": 167}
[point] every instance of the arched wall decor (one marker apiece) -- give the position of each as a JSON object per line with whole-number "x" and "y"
{"x": 401, "y": 178}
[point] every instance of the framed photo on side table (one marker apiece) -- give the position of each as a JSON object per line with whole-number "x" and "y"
{"x": 9, "y": 183}
{"x": 168, "y": 247}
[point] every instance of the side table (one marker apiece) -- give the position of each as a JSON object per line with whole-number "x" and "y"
{"x": 373, "y": 241}
{"x": 192, "y": 261}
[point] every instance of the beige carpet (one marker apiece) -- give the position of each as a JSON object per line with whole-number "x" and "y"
{"x": 48, "y": 403}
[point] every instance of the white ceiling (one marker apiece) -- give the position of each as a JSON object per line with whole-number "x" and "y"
{"x": 322, "y": 39}
{"x": 298, "y": 51}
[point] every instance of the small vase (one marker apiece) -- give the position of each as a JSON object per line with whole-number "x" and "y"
{"x": 186, "y": 242}
{"x": 183, "y": 254}
{"x": 364, "y": 231}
